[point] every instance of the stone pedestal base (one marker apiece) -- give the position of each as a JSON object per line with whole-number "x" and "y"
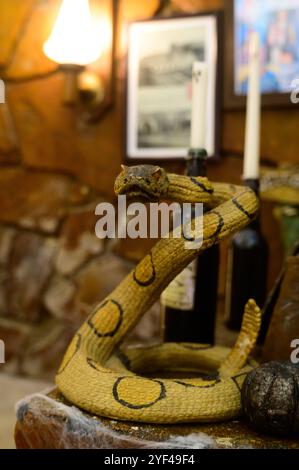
{"x": 49, "y": 422}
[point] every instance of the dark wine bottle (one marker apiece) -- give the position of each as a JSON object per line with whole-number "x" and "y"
{"x": 190, "y": 300}
{"x": 247, "y": 269}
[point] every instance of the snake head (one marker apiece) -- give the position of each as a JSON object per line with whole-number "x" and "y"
{"x": 142, "y": 182}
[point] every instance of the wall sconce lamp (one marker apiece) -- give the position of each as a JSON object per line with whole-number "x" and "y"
{"x": 77, "y": 42}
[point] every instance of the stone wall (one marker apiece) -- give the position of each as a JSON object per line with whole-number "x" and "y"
{"x": 53, "y": 269}
{"x": 53, "y": 171}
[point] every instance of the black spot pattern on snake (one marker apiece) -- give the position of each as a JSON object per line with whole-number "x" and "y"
{"x": 116, "y": 327}
{"x": 189, "y": 239}
{"x": 241, "y": 208}
{"x": 151, "y": 278}
{"x": 196, "y": 347}
{"x": 123, "y": 358}
{"x": 97, "y": 367}
{"x": 202, "y": 186}
{"x": 125, "y": 403}
{"x": 77, "y": 347}
{"x": 220, "y": 226}
{"x": 185, "y": 384}
{"x": 235, "y": 377}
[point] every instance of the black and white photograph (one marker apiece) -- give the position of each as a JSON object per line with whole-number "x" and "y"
{"x": 159, "y": 94}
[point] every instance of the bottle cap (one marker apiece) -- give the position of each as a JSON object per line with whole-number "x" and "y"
{"x": 253, "y": 183}
{"x": 196, "y": 161}
{"x": 197, "y": 153}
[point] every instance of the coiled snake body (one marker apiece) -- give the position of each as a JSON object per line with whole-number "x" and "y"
{"x": 102, "y": 379}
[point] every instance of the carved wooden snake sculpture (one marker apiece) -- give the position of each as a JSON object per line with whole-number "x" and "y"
{"x": 102, "y": 379}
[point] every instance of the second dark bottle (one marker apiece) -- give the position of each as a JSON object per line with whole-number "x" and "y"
{"x": 190, "y": 301}
{"x": 247, "y": 269}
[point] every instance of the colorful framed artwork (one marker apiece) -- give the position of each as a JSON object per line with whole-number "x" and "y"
{"x": 277, "y": 24}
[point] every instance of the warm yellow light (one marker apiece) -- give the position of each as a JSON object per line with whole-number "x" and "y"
{"x": 75, "y": 38}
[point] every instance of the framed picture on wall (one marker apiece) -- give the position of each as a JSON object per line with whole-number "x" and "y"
{"x": 277, "y": 23}
{"x": 161, "y": 53}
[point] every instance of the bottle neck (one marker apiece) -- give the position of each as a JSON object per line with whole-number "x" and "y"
{"x": 254, "y": 184}
{"x": 196, "y": 162}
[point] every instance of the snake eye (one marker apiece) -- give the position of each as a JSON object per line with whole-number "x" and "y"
{"x": 157, "y": 173}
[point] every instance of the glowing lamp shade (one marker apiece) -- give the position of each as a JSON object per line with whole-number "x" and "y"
{"x": 75, "y": 39}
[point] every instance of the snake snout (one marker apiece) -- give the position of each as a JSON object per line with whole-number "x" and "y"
{"x": 142, "y": 182}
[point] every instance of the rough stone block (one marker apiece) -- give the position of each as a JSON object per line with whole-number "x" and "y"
{"x": 15, "y": 335}
{"x": 72, "y": 298}
{"x": 59, "y": 299}
{"x": 45, "y": 350}
{"x": 99, "y": 277}
{"x": 49, "y": 422}
{"x": 78, "y": 242}
{"x": 72, "y": 301}
{"x": 29, "y": 268}
{"x": 6, "y": 240}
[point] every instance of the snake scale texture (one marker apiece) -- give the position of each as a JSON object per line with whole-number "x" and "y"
{"x": 102, "y": 378}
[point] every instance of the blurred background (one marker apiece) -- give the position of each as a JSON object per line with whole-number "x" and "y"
{"x": 56, "y": 164}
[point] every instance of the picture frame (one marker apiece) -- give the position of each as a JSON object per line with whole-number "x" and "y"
{"x": 161, "y": 52}
{"x": 279, "y": 59}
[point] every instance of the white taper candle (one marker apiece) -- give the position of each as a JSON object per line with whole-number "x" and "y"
{"x": 199, "y": 105}
{"x": 253, "y": 114}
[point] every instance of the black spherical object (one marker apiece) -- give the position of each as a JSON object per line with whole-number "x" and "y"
{"x": 270, "y": 398}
